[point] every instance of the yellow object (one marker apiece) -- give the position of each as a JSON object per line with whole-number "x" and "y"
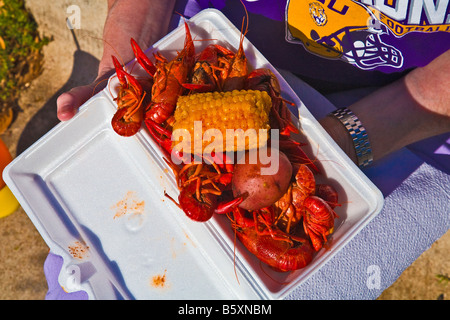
{"x": 8, "y": 203}
{"x": 231, "y": 116}
{"x": 6, "y": 117}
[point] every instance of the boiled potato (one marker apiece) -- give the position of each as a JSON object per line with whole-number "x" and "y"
{"x": 264, "y": 183}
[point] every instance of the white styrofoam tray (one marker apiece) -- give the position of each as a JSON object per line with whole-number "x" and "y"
{"x": 86, "y": 188}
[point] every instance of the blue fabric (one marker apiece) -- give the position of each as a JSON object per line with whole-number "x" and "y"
{"x": 52, "y": 269}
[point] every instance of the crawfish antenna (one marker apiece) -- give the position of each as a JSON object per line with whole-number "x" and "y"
{"x": 243, "y": 20}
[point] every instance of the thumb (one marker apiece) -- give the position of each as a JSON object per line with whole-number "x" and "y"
{"x": 68, "y": 103}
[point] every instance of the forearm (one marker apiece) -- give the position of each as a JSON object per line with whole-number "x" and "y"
{"x": 409, "y": 110}
{"x": 144, "y": 20}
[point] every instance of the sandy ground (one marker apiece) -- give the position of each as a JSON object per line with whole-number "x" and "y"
{"x": 69, "y": 63}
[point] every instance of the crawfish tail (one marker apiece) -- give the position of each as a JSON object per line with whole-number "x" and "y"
{"x": 123, "y": 127}
{"x": 160, "y": 112}
{"x": 318, "y": 220}
{"x": 281, "y": 255}
{"x": 328, "y": 193}
{"x": 193, "y": 208}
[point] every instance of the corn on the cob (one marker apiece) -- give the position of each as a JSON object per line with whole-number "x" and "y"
{"x": 245, "y": 109}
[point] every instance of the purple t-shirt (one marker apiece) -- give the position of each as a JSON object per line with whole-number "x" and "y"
{"x": 340, "y": 44}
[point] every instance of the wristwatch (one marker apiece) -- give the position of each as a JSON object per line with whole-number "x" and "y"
{"x": 358, "y": 133}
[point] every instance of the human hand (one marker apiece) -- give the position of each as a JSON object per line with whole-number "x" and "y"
{"x": 68, "y": 102}
{"x": 145, "y": 21}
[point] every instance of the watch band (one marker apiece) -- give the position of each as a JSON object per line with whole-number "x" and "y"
{"x": 358, "y": 134}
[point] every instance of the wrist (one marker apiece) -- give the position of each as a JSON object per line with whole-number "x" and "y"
{"x": 340, "y": 135}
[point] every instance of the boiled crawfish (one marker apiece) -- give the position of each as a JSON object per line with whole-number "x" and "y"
{"x": 130, "y": 103}
{"x": 169, "y": 79}
{"x": 263, "y": 79}
{"x": 318, "y": 220}
{"x": 219, "y": 69}
{"x": 303, "y": 201}
{"x": 290, "y": 206}
{"x": 235, "y": 71}
{"x": 270, "y": 233}
{"x": 202, "y": 188}
{"x": 269, "y": 244}
{"x": 208, "y": 69}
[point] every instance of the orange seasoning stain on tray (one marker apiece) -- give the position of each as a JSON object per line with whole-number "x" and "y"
{"x": 159, "y": 281}
{"x": 78, "y": 250}
{"x": 128, "y": 205}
